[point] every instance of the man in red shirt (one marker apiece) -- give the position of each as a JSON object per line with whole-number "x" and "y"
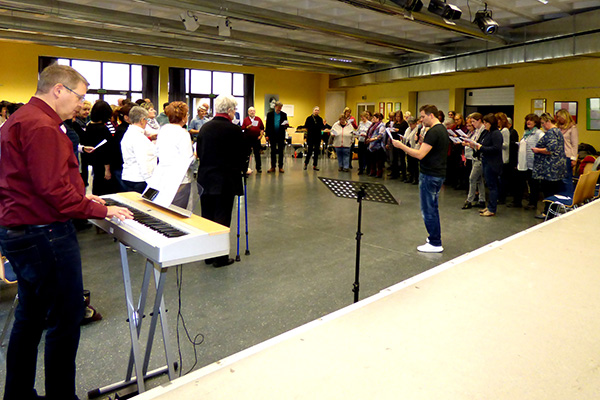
{"x": 41, "y": 190}
{"x": 253, "y": 129}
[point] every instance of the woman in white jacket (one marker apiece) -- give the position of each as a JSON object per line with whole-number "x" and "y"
{"x": 174, "y": 148}
{"x": 343, "y": 136}
{"x": 139, "y": 153}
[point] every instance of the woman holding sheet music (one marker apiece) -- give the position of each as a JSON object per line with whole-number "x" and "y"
{"x": 490, "y": 149}
{"x": 96, "y": 134}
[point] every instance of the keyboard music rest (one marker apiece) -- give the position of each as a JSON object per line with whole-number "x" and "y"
{"x": 164, "y": 236}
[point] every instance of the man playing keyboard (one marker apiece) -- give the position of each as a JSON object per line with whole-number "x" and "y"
{"x": 41, "y": 190}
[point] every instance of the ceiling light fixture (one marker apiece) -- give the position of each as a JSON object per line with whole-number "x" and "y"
{"x": 543, "y": 1}
{"x": 484, "y": 20}
{"x": 190, "y": 21}
{"x": 444, "y": 10}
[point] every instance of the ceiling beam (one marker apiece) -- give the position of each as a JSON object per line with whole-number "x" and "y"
{"x": 85, "y": 13}
{"x": 110, "y": 45}
{"x": 157, "y": 40}
{"x": 224, "y": 8}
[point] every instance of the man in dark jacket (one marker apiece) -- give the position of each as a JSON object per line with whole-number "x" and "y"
{"x": 277, "y": 123}
{"x": 222, "y": 156}
{"x": 314, "y": 125}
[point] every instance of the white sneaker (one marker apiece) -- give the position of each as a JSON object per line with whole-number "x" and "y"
{"x": 429, "y": 248}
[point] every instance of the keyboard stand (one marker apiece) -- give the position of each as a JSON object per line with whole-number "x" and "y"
{"x": 135, "y": 317}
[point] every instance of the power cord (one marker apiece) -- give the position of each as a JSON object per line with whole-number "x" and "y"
{"x": 198, "y": 339}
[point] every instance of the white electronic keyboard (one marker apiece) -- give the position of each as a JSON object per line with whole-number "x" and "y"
{"x": 162, "y": 235}
{"x": 165, "y": 238}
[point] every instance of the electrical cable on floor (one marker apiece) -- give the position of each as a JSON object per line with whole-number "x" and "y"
{"x": 195, "y": 341}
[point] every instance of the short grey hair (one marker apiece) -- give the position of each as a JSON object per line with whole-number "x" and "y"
{"x": 224, "y": 103}
{"x": 137, "y": 114}
{"x": 411, "y": 120}
{"x": 62, "y": 74}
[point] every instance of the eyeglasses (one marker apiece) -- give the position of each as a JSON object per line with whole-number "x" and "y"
{"x": 79, "y": 96}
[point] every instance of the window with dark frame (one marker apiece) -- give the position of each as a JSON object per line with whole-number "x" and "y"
{"x": 109, "y": 81}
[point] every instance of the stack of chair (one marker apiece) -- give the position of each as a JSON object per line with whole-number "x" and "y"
{"x": 584, "y": 192}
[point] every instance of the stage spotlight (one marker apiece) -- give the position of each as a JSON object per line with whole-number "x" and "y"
{"x": 444, "y": 10}
{"x": 486, "y": 23}
{"x": 190, "y": 21}
{"x": 410, "y": 5}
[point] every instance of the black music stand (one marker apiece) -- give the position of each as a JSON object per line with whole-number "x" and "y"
{"x": 360, "y": 191}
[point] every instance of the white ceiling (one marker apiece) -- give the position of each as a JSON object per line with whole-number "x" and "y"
{"x": 333, "y": 36}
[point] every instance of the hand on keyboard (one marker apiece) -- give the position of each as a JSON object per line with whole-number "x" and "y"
{"x": 119, "y": 212}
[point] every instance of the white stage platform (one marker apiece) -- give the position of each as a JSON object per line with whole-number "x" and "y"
{"x": 517, "y": 319}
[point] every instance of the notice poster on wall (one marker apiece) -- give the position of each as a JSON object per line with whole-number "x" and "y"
{"x": 593, "y": 114}
{"x": 570, "y": 106}
{"x": 288, "y": 109}
{"x": 538, "y": 106}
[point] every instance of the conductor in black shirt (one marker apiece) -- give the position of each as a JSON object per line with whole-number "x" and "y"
{"x": 433, "y": 155}
{"x": 220, "y": 149}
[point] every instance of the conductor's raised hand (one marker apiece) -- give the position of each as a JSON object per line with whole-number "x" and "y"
{"x": 119, "y": 212}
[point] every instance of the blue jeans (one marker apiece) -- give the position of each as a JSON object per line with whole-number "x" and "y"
{"x": 343, "y": 155}
{"x": 429, "y": 190}
{"x": 47, "y": 262}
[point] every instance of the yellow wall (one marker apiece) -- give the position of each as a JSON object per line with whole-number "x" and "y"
{"x": 19, "y": 67}
{"x": 574, "y": 80}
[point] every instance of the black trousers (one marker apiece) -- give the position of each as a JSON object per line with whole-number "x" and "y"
{"x": 398, "y": 163}
{"x": 413, "y": 168}
{"x": 362, "y": 156}
{"x": 277, "y": 147}
{"x": 218, "y": 208}
{"x": 313, "y": 150}
{"x": 523, "y": 180}
{"x": 255, "y": 148}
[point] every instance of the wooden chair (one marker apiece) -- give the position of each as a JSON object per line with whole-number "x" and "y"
{"x": 584, "y": 192}
{"x": 592, "y": 184}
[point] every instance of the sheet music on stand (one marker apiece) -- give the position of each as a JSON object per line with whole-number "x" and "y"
{"x": 360, "y": 191}
{"x": 349, "y": 190}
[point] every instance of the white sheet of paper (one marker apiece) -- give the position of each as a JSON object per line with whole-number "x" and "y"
{"x": 100, "y": 144}
{"x": 461, "y": 133}
{"x": 455, "y": 139}
{"x": 451, "y": 132}
{"x": 560, "y": 196}
{"x": 166, "y": 179}
{"x": 389, "y": 132}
